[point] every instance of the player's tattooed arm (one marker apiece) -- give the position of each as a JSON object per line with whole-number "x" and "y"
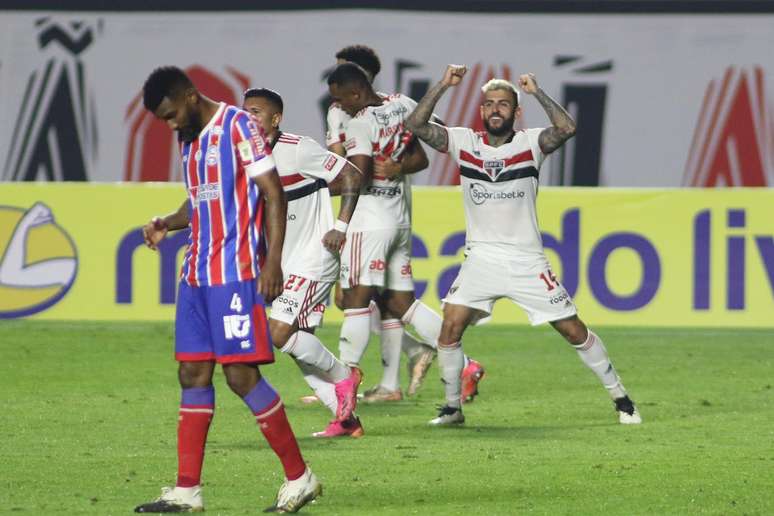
{"x": 346, "y": 184}
{"x": 270, "y": 281}
{"x": 154, "y": 231}
{"x": 419, "y": 120}
{"x": 563, "y": 125}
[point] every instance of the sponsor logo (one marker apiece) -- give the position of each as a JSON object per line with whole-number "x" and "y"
{"x": 283, "y": 300}
{"x": 245, "y": 151}
{"x": 730, "y": 141}
{"x": 405, "y": 270}
{"x": 377, "y": 265}
{"x": 57, "y": 115}
{"x": 564, "y": 296}
{"x": 330, "y": 163}
{"x": 150, "y": 141}
{"x": 384, "y": 191}
{"x": 245, "y": 344}
{"x": 479, "y": 194}
{"x": 350, "y": 144}
{"x": 236, "y": 326}
{"x": 291, "y": 216}
{"x": 38, "y": 260}
{"x": 205, "y": 192}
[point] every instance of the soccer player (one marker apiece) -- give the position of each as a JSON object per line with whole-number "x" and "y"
{"x": 391, "y": 332}
{"x": 504, "y": 254}
{"x": 377, "y": 254}
{"x": 310, "y": 256}
{"x": 233, "y": 191}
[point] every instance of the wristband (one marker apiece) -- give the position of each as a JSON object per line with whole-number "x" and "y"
{"x": 340, "y": 225}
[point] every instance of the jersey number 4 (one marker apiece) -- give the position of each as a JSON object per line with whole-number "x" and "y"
{"x": 236, "y": 303}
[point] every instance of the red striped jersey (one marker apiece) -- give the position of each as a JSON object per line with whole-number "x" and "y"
{"x": 305, "y": 169}
{"x": 224, "y": 204}
{"x": 500, "y": 186}
{"x": 379, "y": 132}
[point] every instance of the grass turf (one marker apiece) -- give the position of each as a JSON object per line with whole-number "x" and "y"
{"x": 90, "y": 416}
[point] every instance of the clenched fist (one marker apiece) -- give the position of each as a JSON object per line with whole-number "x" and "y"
{"x": 528, "y": 83}
{"x": 454, "y": 74}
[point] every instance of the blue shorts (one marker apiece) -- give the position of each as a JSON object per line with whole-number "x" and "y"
{"x": 226, "y": 323}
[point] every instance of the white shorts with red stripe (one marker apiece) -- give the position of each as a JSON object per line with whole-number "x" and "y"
{"x": 377, "y": 258}
{"x": 302, "y": 300}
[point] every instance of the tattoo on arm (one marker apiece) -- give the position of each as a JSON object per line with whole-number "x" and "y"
{"x": 563, "y": 127}
{"x": 350, "y": 191}
{"x": 419, "y": 120}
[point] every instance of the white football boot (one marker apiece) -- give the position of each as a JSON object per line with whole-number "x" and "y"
{"x": 448, "y": 416}
{"x": 627, "y": 412}
{"x": 294, "y": 494}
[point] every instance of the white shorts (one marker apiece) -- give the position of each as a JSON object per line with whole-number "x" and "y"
{"x": 378, "y": 258}
{"x": 530, "y": 285}
{"x": 302, "y": 300}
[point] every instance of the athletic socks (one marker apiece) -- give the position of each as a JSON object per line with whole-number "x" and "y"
{"x": 197, "y": 406}
{"x": 450, "y": 360}
{"x": 355, "y": 332}
{"x": 594, "y": 355}
{"x": 392, "y": 335}
{"x": 269, "y": 413}
{"x": 323, "y": 389}
{"x": 306, "y": 348}
{"x": 425, "y": 321}
{"x": 411, "y": 346}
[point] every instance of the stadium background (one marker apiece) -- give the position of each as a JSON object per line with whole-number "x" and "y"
{"x": 668, "y": 95}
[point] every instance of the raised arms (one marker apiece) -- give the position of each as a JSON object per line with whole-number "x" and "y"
{"x": 563, "y": 125}
{"x": 419, "y": 120}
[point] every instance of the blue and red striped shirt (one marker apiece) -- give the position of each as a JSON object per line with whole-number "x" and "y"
{"x": 225, "y": 206}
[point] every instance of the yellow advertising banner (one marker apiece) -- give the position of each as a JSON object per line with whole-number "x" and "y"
{"x": 639, "y": 257}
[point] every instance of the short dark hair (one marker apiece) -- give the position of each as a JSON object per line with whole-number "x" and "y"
{"x": 349, "y": 73}
{"x": 165, "y": 81}
{"x": 265, "y": 93}
{"x": 363, "y": 56}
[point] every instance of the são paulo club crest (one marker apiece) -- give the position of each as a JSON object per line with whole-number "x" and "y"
{"x": 152, "y": 149}
{"x": 38, "y": 260}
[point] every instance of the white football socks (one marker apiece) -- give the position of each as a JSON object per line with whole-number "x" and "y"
{"x": 411, "y": 346}
{"x": 425, "y": 321}
{"x": 355, "y": 332}
{"x": 594, "y": 355}
{"x": 324, "y": 390}
{"x": 450, "y": 360}
{"x": 392, "y": 334}
{"x": 306, "y": 347}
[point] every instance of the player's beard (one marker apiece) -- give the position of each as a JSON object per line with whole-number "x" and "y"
{"x": 189, "y": 133}
{"x": 505, "y": 128}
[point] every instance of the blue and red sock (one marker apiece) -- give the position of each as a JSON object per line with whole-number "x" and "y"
{"x": 270, "y": 415}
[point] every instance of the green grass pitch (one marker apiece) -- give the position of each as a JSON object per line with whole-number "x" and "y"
{"x": 90, "y": 410}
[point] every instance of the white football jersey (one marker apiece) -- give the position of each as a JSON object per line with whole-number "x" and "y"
{"x": 499, "y": 187}
{"x": 305, "y": 169}
{"x": 337, "y": 120}
{"x": 379, "y": 132}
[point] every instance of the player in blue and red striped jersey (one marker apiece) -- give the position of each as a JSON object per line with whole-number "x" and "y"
{"x": 233, "y": 192}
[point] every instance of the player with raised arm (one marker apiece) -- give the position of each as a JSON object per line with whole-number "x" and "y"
{"x": 233, "y": 191}
{"x": 377, "y": 254}
{"x": 310, "y": 256}
{"x": 504, "y": 255}
{"x": 391, "y": 333}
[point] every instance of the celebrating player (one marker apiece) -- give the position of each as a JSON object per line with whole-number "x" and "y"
{"x": 391, "y": 332}
{"x": 310, "y": 256}
{"x": 231, "y": 182}
{"x": 377, "y": 254}
{"x": 504, "y": 252}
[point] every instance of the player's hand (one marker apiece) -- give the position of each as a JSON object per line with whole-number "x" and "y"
{"x": 528, "y": 83}
{"x": 386, "y": 167}
{"x": 334, "y": 240}
{"x": 270, "y": 281}
{"x": 454, "y": 74}
{"x": 154, "y": 232}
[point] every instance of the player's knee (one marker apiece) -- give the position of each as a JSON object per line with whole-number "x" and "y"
{"x": 241, "y": 378}
{"x": 573, "y": 330}
{"x": 280, "y": 332}
{"x": 195, "y": 374}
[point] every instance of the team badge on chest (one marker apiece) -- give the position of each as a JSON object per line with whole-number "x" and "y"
{"x": 494, "y": 167}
